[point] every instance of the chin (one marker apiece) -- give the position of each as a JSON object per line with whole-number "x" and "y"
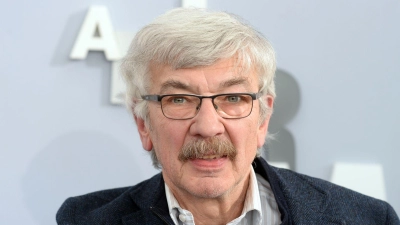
{"x": 209, "y": 190}
{"x": 208, "y": 193}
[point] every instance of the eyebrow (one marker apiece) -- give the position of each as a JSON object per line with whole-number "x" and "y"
{"x": 234, "y": 81}
{"x": 173, "y": 84}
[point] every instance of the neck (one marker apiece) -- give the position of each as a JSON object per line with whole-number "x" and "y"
{"x": 218, "y": 210}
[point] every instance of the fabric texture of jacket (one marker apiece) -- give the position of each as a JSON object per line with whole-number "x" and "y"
{"x": 301, "y": 200}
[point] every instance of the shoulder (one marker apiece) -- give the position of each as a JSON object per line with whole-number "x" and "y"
{"x": 304, "y": 191}
{"x": 106, "y": 206}
{"x": 296, "y": 183}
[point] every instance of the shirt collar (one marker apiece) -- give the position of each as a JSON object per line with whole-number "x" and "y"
{"x": 252, "y": 201}
{"x": 173, "y": 204}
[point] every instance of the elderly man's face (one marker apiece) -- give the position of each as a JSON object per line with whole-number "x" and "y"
{"x": 204, "y": 177}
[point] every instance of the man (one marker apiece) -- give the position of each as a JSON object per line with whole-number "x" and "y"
{"x": 200, "y": 87}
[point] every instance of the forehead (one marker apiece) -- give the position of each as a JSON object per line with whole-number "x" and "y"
{"x": 223, "y": 76}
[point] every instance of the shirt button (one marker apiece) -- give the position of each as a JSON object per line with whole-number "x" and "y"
{"x": 182, "y": 218}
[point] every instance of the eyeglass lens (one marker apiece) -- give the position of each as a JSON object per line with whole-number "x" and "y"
{"x": 187, "y": 106}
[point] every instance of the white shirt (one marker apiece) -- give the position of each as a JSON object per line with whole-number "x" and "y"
{"x": 260, "y": 207}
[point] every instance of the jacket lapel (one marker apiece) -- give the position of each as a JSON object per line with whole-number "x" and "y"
{"x": 300, "y": 201}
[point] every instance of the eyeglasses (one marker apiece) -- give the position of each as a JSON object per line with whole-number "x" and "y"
{"x": 186, "y": 106}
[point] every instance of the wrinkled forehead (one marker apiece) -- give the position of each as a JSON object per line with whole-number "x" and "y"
{"x": 225, "y": 74}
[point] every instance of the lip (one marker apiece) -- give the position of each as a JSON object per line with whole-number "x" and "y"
{"x": 209, "y": 164}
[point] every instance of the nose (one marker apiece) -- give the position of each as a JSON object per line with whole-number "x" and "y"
{"x": 207, "y": 122}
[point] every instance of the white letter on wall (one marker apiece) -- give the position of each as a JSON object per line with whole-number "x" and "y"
{"x": 98, "y": 21}
{"x": 194, "y": 3}
{"x": 364, "y": 178}
{"x": 118, "y": 87}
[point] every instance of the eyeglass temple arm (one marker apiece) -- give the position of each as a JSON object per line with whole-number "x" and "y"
{"x": 155, "y": 98}
{"x": 257, "y": 95}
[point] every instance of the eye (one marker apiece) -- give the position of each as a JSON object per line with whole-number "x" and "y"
{"x": 178, "y": 100}
{"x": 233, "y": 98}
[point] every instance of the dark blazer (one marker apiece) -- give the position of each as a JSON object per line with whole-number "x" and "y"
{"x": 301, "y": 200}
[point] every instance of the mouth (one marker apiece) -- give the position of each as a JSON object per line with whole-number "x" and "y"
{"x": 209, "y": 162}
{"x": 211, "y": 157}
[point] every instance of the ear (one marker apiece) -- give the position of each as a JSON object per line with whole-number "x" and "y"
{"x": 263, "y": 129}
{"x": 144, "y": 133}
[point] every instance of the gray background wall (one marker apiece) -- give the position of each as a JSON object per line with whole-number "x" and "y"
{"x": 60, "y": 137}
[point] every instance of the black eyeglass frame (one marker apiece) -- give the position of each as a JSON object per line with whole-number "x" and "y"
{"x": 158, "y": 98}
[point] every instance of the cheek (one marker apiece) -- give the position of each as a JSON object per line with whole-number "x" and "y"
{"x": 168, "y": 138}
{"x": 244, "y": 138}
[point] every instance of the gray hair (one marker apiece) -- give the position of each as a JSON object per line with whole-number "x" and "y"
{"x": 189, "y": 38}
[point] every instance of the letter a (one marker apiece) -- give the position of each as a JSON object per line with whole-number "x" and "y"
{"x": 97, "y": 21}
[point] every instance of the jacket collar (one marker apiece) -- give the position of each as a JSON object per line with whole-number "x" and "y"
{"x": 300, "y": 200}
{"x": 263, "y": 168}
{"x": 150, "y": 198}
